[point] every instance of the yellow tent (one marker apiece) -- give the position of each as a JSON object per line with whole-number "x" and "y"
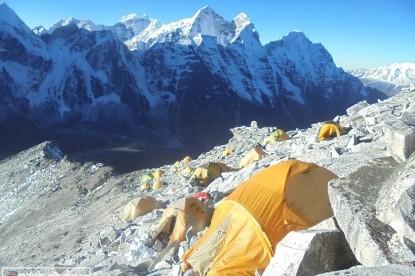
{"x": 227, "y": 151}
{"x": 253, "y": 155}
{"x": 330, "y": 129}
{"x": 139, "y": 206}
{"x": 176, "y": 220}
{"x": 147, "y": 177}
{"x": 157, "y": 185}
{"x": 208, "y": 172}
{"x": 177, "y": 164}
{"x": 187, "y": 171}
{"x": 158, "y": 173}
{"x": 278, "y": 135}
{"x": 249, "y": 223}
{"x": 187, "y": 159}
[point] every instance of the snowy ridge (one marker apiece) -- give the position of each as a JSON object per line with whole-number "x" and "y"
{"x": 85, "y": 24}
{"x": 9, "y": 17}
{"x": 138, "y": 24}
{"x": 241, "y": 22}
{"x": 389, "y": 79}
{"x": 206, "y": 22}
{"x": 128, "y": 27}
{"x": 13, "y": 26}
{"x": 139, "y": 73}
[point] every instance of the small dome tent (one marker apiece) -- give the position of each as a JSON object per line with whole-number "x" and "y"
{"x": 227, "y": 151}
{"x": 177, "y": 219}
{"x": 139, "y": 206}
{"x": 158, "y": 174}
{"x": 187, "y": 159}
{"x": 254, "y": 154}
{"x": 329, "y": 130}
{"x": 278, "y": 135}
{"x": 206, "y": 173}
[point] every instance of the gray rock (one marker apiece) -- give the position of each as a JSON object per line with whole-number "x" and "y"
{"x": 334, "y": 152}
{"x": 351, "y": 111}
{"x": 352, "y": 161}
{"x": 371, "y": 121}
{"x": 352, "y": 141}
{"x": 408, "y": 116}
{"x": 353, "y": 199}
{"x": 109, "y": 233}
{"x": 396, "y": 203}
{"x": 387, "y": 270}
{"x": 400, "y": 139}
{"x": 320, "y": 249}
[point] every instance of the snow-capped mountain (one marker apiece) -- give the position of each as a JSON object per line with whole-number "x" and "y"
{"x": 390, "y": 79}
{"x": 183, "y": 83}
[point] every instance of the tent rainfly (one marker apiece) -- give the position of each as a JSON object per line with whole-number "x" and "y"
{"x": 245, "y": 231}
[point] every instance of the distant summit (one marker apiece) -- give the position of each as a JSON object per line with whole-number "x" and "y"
{"x": 390, "y": 79}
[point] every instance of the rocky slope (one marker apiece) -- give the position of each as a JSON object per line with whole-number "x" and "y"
{"x": 175, "y": 84}
{"x": 58, "y": 211}
{"x": 389, "y": 79}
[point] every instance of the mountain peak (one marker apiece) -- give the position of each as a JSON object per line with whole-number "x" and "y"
{"x": 205, "y": 11}
{"x": 241, "y": 20}
{"x": 133, "y": 17}
{"x": 8, "y": 16}
{"x": 39, "y": 30}
{"x": 244, "y": 27}
{"x": 296, "y": 35}
{"x": 137, "y": 23}
{"x": 207, "y": 22}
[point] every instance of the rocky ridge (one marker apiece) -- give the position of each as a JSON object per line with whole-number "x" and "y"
{"x": 58, "y": 211}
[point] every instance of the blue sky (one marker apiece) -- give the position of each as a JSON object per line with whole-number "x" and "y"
{"x": 357, "y": 33}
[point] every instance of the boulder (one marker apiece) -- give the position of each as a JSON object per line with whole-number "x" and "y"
{"x": 408, "y": 116}
{"x": 352, "y": 161}
{"x": 387, "y": 270}
{"x": 400, "y": 139}
{"x": 320, "y": 249}
{"x": 353, "y": 199}
{"x": 351, "y": 111}
{"x": 396, "y": 203}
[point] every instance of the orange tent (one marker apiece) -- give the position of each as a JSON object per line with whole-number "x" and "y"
{"x": 139, "y": 206}
{"x": 187, "y": 159}
{"x": 245, "y": 231}
{"x": 330, "y": 129}
{"x": 253, "y": 155}
{"x": 176, "y": 220}
{"x": 207, "y": 173}
{"x": 227, "y": 152}
{"x": 158, "y": 173}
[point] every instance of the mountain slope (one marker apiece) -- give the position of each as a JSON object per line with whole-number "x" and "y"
{"x": 69, "y": 211}
{"x": 389, "y": 79}
{"x": 182, "y": 84}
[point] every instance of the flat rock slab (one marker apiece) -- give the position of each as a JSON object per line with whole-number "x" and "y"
{"x": 387, "y": 270}
{"x": 353, "y": 199}
{"x": 320, "y": 249}
{"x": 396, "y": 203}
